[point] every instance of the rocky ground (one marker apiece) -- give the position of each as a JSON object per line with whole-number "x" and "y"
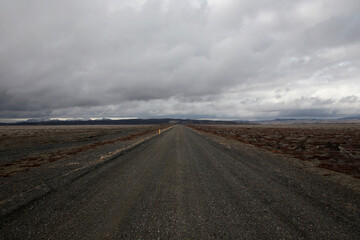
{"x": 185, "y": 185}
{"x": 331, "y": 146}
{"x": 35, "y": 160}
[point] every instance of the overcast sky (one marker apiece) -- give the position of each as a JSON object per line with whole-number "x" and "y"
{"x": 233, "y": 59}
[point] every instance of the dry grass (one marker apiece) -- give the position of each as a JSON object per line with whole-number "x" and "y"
{"x": 27, "y": 136}
{"x": 85, "y": 138}
{"x": 332, "y": 146}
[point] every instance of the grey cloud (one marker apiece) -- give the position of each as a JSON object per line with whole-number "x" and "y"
{"x": 309, "y": 113}
{"x": 350, "y": 99}
{"x": 157, "y": 57}
{"x": 335, "y": 31}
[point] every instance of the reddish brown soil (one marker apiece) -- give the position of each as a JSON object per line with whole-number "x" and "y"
{"x": 334, "y": 147}
{"x": 24, "y": 164}
{"x": 29, "y": 136}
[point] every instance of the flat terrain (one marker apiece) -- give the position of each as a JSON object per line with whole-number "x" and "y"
{"x": 29, "y": 142}
{"x": 35, "y": 160}
{"x": 331, "y": 146}
{"x": 182, "y": 185}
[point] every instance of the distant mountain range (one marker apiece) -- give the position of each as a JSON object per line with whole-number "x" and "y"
{"x": 124, "y": 122}
{"x": 353, "y": 119}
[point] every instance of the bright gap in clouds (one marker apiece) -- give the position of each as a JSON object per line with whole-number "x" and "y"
{"x": 195, "y": 58}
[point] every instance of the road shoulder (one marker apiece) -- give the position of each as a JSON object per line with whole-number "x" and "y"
{"x": 328, "y": 175}
{"x": 22, "y": 188}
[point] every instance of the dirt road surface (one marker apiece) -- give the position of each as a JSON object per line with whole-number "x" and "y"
{"x": 181, "y": 185}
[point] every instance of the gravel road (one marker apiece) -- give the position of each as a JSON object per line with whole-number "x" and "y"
{"x": 181, "y": 185}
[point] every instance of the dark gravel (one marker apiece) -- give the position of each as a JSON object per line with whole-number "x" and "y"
{"x": 181, "y": 185}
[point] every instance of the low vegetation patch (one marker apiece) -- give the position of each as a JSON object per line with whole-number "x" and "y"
{"x": 335, "y": 147}
{"x": 53, "y": 136}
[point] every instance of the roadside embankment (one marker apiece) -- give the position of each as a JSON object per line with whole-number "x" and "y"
{"x": 37, "y": 160}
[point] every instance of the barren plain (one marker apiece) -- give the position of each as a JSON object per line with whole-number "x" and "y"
{"x": 182, "y": 185}
{"x": 331, "y": 146}
{"x": 35, "y": 160}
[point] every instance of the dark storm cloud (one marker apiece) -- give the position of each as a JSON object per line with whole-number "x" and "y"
{"x": 235, "y": 59}
{"x": 304, "y": 113}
